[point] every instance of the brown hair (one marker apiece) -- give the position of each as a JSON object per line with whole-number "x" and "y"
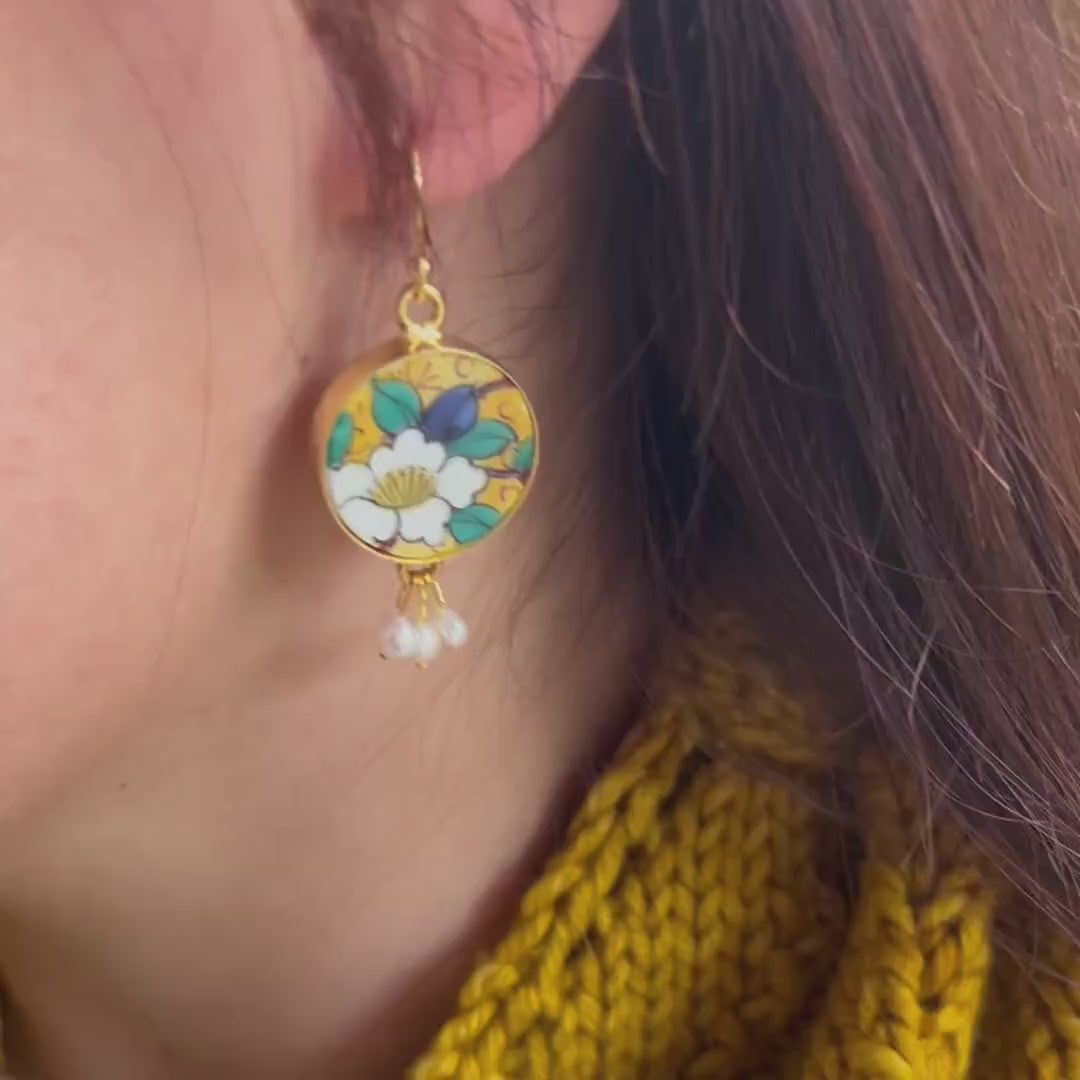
{"x": 850, "y": 232}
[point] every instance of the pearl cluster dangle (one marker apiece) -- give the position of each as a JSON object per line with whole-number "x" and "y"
{"x": 424, "y": 624}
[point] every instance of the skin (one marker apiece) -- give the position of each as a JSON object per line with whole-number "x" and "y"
{"x": 233, "y": 843}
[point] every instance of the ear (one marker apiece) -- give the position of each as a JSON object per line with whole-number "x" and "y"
{"x": 486, "y": 77}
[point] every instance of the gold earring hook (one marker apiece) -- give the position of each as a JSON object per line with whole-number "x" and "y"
{"x": 423, "y": 248}
{"x": 421, "y": 293}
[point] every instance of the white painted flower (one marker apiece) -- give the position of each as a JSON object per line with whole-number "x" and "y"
{"x": 406, "y": 491}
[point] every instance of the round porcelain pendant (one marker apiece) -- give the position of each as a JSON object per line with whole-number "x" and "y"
{"x": 424, "y": 453}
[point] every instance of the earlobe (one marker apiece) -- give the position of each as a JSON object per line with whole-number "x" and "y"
{"x": 489, "y": 78}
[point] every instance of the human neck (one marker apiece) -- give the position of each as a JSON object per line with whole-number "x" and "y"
{"x": 284, "y": 871}
{"x": 277, "y": 887}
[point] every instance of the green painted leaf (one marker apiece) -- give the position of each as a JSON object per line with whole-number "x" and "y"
{"x": 395, "y": 405}
{"x": 473, "y": 523}
{"x": 488, "y": 438}
{"x": 340, "y": 441}
{"x": 525, "y": 455}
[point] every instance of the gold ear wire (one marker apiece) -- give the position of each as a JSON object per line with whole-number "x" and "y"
{"x": 420, "y": 293}
{"x": 423, "y": 248}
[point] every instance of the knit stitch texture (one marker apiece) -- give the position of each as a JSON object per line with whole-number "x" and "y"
{"x": 716, "y": 915}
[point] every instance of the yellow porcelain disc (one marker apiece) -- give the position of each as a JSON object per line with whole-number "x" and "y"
{"x": 423, "y": 455}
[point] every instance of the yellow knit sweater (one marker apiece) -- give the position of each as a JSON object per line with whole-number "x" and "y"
{"x": 710, "y": 916}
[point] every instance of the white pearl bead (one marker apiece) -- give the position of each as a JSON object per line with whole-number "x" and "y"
{"x": 454, "y": 629}
{"x": 400, "y": 640}
{"x": 428, "y": 643}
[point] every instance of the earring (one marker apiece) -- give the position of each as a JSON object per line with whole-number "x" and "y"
{"x": 424, "y": 449}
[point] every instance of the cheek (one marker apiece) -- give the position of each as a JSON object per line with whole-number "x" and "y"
{"x": 96, "y": 488}
{"x": 103, "y": 360}
{"x": 125, "y": 299}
